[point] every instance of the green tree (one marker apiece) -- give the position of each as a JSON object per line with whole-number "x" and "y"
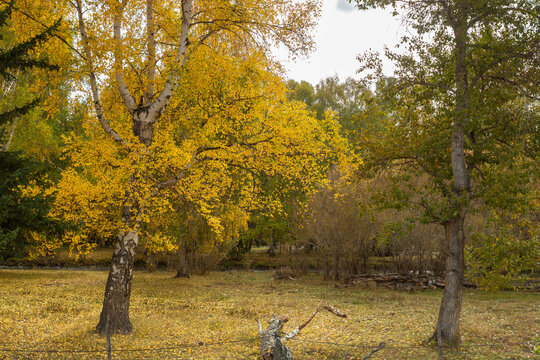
{"x": 463, "y": 88}
{"x": 22, "y": 211}
{"x": 353, "y": 103}
{"x": 19, "y": 58}
{"x": 301, "y": 91}
{"x": 503, "y": 257}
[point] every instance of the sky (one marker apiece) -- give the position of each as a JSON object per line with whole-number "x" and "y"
{"x": 343, "y": 33}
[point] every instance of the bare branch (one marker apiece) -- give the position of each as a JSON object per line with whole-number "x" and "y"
{"x": 334, "y": 311}
{"x": 165, "y": 96}
{"x": 93, "y": 81}
{"x": 122, "y": 87}
{"x": 297, "y": 330}
{"x": 150, "y": 33}
{"x": 378, "y": 348}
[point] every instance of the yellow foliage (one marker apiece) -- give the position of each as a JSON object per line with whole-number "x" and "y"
{"x": 45, "y": 246}
{"x": 227, "y": 129}
{"x": 33, "y": 132}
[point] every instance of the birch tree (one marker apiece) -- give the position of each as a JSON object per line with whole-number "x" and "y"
{"x": 134, "y": 75}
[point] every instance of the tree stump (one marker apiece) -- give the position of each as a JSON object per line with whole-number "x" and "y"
{"x": 272, "y": 346}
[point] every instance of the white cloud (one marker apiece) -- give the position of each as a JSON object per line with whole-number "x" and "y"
{"x": 340, "y": 37}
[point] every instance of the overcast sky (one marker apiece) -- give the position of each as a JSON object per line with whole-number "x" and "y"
{"x": 343, "y": 33}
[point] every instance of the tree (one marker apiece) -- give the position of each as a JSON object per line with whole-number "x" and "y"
{"x": 19, "y": 58}
{"x": 351, "y": 100}
{"x": 301, "y": 91}
{"x": 24, "y": 205}
{"x": 141, "y": 154}
{"x": 506, "y": 256}
{"x": 23, "y": 210}
{"x": 463, "y": 87}
{"x": 34, "y": 58}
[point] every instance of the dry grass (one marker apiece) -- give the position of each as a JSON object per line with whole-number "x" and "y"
{"x": 57, "y": 310}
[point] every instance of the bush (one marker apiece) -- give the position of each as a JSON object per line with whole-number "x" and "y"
{"x": 504, "y": 258}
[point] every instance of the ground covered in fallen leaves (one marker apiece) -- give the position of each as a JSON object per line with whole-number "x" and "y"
{"x": 51, "y": 314}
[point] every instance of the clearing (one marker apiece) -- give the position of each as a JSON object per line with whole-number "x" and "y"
{"x": 213, "y": 317}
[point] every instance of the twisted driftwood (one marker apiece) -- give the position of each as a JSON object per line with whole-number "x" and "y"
{"x": 272, "y": 347}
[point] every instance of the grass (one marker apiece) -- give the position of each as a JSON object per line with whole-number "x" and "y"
{"x": 58, "y": 310}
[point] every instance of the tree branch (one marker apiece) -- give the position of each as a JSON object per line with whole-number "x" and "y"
{"x": 517, "y": 85}
{"x": 427, "y": 83}
{"x": 182, "y": 174}
{"x": 378, "y": 348}
{"x": 46, "y": 26}
{"x": 93, "y": 80}
{"x": 164, "y": 97}
{"x": 150, "y": 33}
{"x": 331, "y": 309}
{"x": 122, "y": 87}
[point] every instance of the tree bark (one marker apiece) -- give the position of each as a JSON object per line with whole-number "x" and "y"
{"x": 272, "y": 347}
{"x": 450, "y": 311}
{"x": 13, "y": 89}
{"x": 115, "y": 312}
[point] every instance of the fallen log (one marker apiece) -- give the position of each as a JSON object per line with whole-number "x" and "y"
{"x": 412, "y": 281}
{"x": 284, "y": 273}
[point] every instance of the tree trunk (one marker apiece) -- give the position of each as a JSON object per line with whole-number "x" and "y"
{"x": 273, "y": 245}
{"x": 182, "y": 268}
{"x": 447, "y": 330}
{"x": 336, "y": 266}
{"x": 115, "y": 313}
{"x": 450, "y": 311}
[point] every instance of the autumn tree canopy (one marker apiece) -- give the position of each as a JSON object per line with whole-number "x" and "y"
{"x": 182, "y": 104}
